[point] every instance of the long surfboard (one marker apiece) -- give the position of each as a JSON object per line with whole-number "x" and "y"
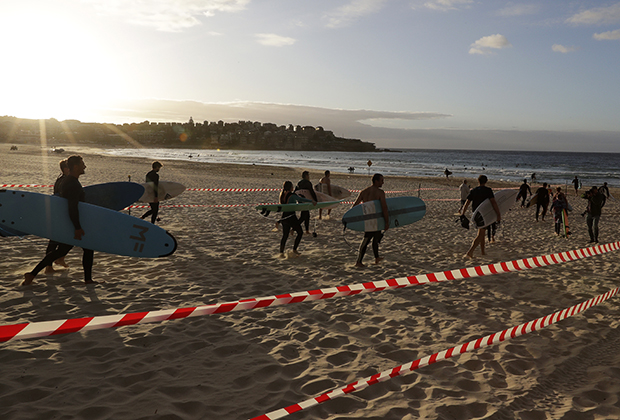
{"x": 368, "y": 217}
{"x": 484, "y": 215}
{"x": 321, "y": 197}
{"x": 166, "y": 191}
{"x": 265, "y": 209}
{"x": 105, "y": 230}
{"x": 338, "y": 192}
{"x": 111, "y": 195}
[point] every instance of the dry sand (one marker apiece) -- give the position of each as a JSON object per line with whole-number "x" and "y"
{"x": 244, "y": 364}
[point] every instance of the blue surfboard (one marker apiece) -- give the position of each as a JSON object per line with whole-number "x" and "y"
{"x": 368, "y": 217}
{"x": 105, "y": 230}
{"x": 111, "y": 195}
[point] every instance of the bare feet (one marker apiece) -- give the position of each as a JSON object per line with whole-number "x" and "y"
{"x": 359, "y": 265}
{"x": 296, "y": 252}
{"x": 468, "y": 257}
{"x": 61, "y": 261}
{"x": 49, "y": 269}
{"x": 378, "y": 260}
{"x": 28, "y": 279}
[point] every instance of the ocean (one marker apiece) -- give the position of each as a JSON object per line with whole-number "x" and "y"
{"x": 555, "y": 168}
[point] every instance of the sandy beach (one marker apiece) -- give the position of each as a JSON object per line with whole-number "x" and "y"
{"x": 244, "y": 364}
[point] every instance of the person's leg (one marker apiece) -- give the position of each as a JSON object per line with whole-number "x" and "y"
{"x": 376, "y": 239}
{"x": 478, "y": 240}
{"x": 589, "y": 222}
{"x": 88, "y": 258}
{"x": 304, "y": 217}
{"x": 286, "y": 228}
{"x": 51, "y": 247}
{"x": 595, "y": 220}
{"x": 362, "y": 250}
{"x": 155, "y": 212}
{"x": 300, "y": 234}
{"x": 61, "y": 251}
{"x": 538, "y": 206}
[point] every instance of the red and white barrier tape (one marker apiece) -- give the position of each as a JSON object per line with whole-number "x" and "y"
{"x": 25, "y": 186}
{"x": 201, "y": 205}
{"x": 232, "y": 189}
{"x": 486, "y": 341}
{"x": 48, "y": 328}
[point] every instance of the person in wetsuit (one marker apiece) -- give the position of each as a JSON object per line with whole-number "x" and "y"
{"x": 542, "y": 200}
{"x": 72, "y": 191}
{"x": 524, "y": 189}
{"x": 305, "y": 184}
{"x": 476, "y": 197}
{"x": 374, "y": 192}
{"x": 289, "y": 220}
{"x": 153, "y": 177}
{"x": 53, "y": 245}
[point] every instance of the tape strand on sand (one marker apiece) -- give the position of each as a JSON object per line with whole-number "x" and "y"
{"x": 486, "y": 341}
{"x": 47, "y": 328}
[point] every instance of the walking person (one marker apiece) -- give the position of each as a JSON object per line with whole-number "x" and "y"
{"x": 325, "y": 186}
{"x": 542, "y": 201}
{"x": 305, "y": 184}
{"x": 524, "y": 189}
{"x": 476, "y": 197}
{"x": 374, "y": 192}
{"x": 596, "y": 201}
{"x": 576, "y": 184}
{"x": 152, "y": 177}
{"x": 289, "y": 219}
{"x": 72, "y": 190}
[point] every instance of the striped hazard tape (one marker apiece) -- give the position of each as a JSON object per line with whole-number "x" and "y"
{"x": 25, "y": 186}
{"x": 48, "y": 328}
{"x": 486, "y": 341}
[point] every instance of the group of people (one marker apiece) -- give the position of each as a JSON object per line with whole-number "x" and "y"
{"x": 68, "y": 186}
{"x": 289, "y": 220}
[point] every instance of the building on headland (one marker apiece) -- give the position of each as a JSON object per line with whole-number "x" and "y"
{"x": 245, "y": 135}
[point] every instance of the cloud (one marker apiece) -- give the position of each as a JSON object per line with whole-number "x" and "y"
{"x": 607, "y": 36}
{"x": 487, "y": 44}
{"x": 562, "y": 49}
{"x": 519, "y": 10}
{"x": 597, "y": 16}
{"x": 166, "y": 15}
{"x": 445, "y": 5}
{"x": 273, "y": 40}
{"x": 352, "y": 11}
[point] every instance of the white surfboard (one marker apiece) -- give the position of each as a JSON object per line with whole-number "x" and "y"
{"x": 166, "y": 191}
{"x": 321, "y": 197}
{"x": 337, "y": 192}
{"x": 485, "y": 215}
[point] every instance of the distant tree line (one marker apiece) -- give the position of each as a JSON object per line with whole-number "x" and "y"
{"x": 245, "y": 135}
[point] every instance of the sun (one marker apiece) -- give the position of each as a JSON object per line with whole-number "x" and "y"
{"x": 53, "y": 67}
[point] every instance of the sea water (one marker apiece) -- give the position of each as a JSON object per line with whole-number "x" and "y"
{"x": 555, "y": 168}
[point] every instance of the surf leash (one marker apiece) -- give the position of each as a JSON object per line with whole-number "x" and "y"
{"x": 481, "y": 342}
{"x": 48, "y": 328}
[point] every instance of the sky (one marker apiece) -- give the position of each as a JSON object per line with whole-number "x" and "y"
{"x": 447, "y": 74}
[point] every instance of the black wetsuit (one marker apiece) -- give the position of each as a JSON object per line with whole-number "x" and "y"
{"x": 53, "y": 245}
{"x": 290, "y": 221}
{"x": 153, "y": 177}
{"x": 304, "y": 216}
{"x": 71, "y": 189}
{"x": 523, "y": 190}
{"x": 542, "y": 201}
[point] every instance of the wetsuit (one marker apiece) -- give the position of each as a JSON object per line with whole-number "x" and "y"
{"x": 478, "y": 195}
{"x": 523, "y": 190}
{"x": 153, "y": 177}
{"x": 376, "y": 237}
{"x": 304, "y": 216}
{"x": 290, "y": 221}
{"x": 542, "y": 201}
{"x": 71, "y": 189}
{"x": 53, "y": 245}
{"x": 595, "y": 209}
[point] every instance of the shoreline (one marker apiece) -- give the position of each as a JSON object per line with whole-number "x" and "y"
{"x": 244, "y": 364}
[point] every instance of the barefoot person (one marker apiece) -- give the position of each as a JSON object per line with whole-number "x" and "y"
{"x": 374, "y": 192}
{"x": 476, "y": 197}
{"x": 72, "y": 190}
{"x": 53, "y": 245}
{"x": 305, "y": 184}
{"x": 326, "y": 188}
{"x": 289, "y": 219}
{"x": 153, "y": 177}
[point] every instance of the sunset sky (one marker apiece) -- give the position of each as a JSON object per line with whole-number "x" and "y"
{"x": 461, "y": 74}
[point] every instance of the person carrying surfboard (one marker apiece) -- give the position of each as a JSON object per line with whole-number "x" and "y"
{"x": 289, "y": 220}
{"x": 72, "y": 190}
{"x": 476, "y": 197}
{"x": 305, "y": 184}
{"x": 325, "y": 186}
{"x": 153, "y": 177}
{"x": 374, "y": 192}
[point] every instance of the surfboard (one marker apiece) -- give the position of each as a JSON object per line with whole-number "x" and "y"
{"x": 531, "y": 201}
{"x": 265, "y": 209}
{"x": 166, "y": 191}
{"x": 484, "y": 215}
{"x": 105, "y": 230}
{"x": 111, "y": 195}
{"x": 337, "y": 191}
{"x": 319, "y": 195}
{"x": 368, "y": 217}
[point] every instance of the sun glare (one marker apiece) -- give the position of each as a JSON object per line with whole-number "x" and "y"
{"x": 53, "y": 68}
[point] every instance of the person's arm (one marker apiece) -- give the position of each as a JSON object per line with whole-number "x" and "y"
{"x": 358, "y": 200}
{"x": 464, "y": 208}
{"x": 73, "y": 199}
{"x": 496, "y": 208}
